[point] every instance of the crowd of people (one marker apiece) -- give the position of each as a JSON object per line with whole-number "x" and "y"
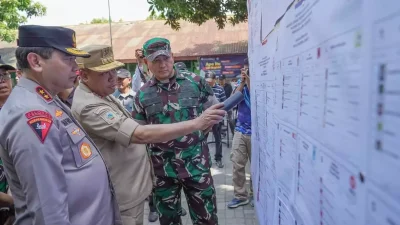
{"x": 84, "y": 142}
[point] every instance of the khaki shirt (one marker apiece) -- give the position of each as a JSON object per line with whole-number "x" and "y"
{"x": 111, "y": 127}
{"x": 55, "y": 172}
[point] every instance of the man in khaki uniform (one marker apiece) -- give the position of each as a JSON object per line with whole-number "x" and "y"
{"x": 117, "y": 135}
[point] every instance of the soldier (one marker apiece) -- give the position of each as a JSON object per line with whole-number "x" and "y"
{"x": 55, "y": 176}
{"x": 118, "y": 136}
{"x": 169, "y": 97}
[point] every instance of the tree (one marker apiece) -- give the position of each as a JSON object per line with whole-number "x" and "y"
{"x": 199, "y": 11}
{"x": 99, "y": 20}
{"x": 14, "y": 13}
{"x": 155, "y": 17}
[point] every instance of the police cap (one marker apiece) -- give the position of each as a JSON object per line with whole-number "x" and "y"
{"x": 60, "y": 38}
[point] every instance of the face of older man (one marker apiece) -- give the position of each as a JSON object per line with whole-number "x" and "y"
{"x": 101, "y": 83}
{"x": 5, "y": 84}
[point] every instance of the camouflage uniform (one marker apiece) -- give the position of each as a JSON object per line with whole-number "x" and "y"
{"x": 184, "y": 162}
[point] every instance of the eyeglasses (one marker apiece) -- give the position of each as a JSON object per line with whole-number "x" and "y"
{"x": 5, "y": 76}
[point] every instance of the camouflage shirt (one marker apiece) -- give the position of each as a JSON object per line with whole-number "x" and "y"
{"x": 181, "y": 99}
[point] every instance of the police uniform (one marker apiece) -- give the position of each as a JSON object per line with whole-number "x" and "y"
{"x": 183, "y": 163}
{"x": 55, "y": 172}
{"x": 111, "y": 126}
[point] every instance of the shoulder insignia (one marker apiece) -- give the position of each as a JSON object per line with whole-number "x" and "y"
{"x": 59, "y": 113}
{"x": 85, "y": 150}
{"x": 76, "y": 131}
{"x": 38, "y": 113}
{"x": 43, "y": 93}
{"x": 40, "y": 126}
{"x": 109, "y": 117}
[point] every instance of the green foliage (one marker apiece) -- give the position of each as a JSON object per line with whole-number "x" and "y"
{"x": 99, "y": 20}
{"x": 154, "y": 16}
{"x": 14, "y": 13}
{"x": 199, "y": 11}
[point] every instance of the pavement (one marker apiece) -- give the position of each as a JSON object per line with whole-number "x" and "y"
{"x": 243, "y": 215}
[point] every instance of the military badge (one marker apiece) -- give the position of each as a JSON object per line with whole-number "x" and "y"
{"x": 44, "y": 94}
{"x": 85, "y": 151}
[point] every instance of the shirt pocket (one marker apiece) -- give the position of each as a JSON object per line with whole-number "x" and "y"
{"x": 82, "y": 149}
{"x": 152, "y": 104}
{"x": 190, "y": 107}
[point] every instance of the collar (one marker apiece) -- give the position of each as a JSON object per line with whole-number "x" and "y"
{"x": 86, "y": 89}
{"x": 32, "y": 86}
{"x": 131, "y": 93}
{"x": 172, "y": 80}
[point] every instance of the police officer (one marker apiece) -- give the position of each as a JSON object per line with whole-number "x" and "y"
{"x": 119, "y": 137}
{"x": 55, "y": 172}
{"x": 169, "y": 97}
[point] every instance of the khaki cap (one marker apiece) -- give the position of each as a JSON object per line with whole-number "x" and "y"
{"x": 101, "y": 59}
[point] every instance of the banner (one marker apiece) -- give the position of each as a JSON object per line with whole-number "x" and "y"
{"x": 227, "y": 65}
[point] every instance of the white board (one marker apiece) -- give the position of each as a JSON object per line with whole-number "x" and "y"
{"x": 325, "y": 93}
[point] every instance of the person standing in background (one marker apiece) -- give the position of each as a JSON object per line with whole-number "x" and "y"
{"x": 5, "y": 82}
{"x": 124, "y": 92}
{"x": 228, "y": 91}
{"x": 142, "y": 74}
{"x": 241, "y": 144}
{"x": 6, "y": 201}
{"x": 219, "y": 93}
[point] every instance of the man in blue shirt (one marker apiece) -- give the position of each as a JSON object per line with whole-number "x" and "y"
{"x": 219, "y": 93}
{"x": 241, "y": 145}
{"x": 124, "y": 92}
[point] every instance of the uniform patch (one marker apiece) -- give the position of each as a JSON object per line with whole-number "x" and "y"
{"x": 110, "y": 115}
{"x": 59, "y": 113}
{"x": 41, "y": 127}
{"x": 44, "y": 94}
{"x": 76, "y": 131}
{"x": 85, "y": 151}
{"x": 66, "y": 121}
{"x": 37, "y": 113}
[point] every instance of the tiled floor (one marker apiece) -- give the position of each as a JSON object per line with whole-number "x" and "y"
{"x": 244, "y": 215}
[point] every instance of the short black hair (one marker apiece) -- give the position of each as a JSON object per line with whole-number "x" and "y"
{"x": 21, "y": 53}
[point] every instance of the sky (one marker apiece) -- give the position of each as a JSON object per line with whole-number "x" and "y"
{"x": 73, "y": 12}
